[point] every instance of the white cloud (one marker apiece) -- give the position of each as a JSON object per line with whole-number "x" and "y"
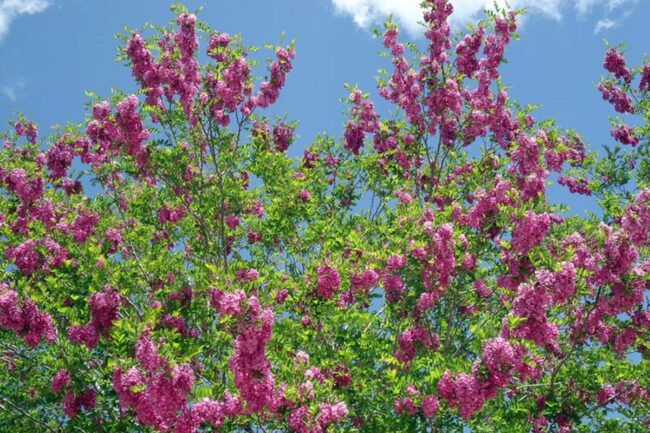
{"x": 584, "y": 6}
{"x": 407, "y": 12}
{"x": 12, "y": 91}
{"x": 10, "y": 9}
{"x": 605, "y": 24}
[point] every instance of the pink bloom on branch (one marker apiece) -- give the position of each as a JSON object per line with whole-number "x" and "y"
{"x": 282, "y": 137}
{"x": 405, "y": 406}
{"x": 644, "y": 85}
{"x": 232, "y": 221}
{"x": 279, "y": 68}
{"x": 25, "y": 256}
{"x": 636, "y": 220}
{"x": 365, "y": 280}
{"x": 147, "y": 353}
{"x": 529, "y": 232}
{"x": 104, "y": 307}
{"x": 625, "y": 135}
{"x": 72, "y": 403}
{"x": 615, "y": 63}
{"x": 396, "y": 262}
{"x": 464, "y": 392}
{"x": 577, "y": 186}
{"x": 28, "y": 130}
{"x": 144, "y": 68}
{"x": 305, "y": 195}
{"x": 605, "y": 395}
{"x": 83, "y": 225}
{"x": 24, "y": 318}
{"x": 227, "y": 303}
{"x": 617, "y": 97}
{"x": 59, "y": 159}
{"x": 328, "y": 281}
{"x": 218, "y": 41}
{"x": 499, "y": 358}
{"x": 332, "y": 413}
{"x": 247, "y": 275}
{"x": 60, "y": 380}
{"x": 27, "y": 190}
{"x": 430, "y": 406}
{"x": 83, "y": 335}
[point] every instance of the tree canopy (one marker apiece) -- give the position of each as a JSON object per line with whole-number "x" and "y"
{"x": 167, "y": 266}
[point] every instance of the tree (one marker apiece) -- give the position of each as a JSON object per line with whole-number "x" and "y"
{"x": 167, "y": 267}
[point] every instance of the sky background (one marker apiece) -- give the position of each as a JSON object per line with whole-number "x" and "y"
{"x": 53, "y": 51}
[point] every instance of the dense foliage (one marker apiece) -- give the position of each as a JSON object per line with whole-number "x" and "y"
{"x": 168, "y": 267}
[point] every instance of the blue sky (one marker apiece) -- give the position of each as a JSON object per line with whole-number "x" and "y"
{"x": 54, "y": 50}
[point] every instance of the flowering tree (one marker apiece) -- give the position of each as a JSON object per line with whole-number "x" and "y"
{"x": 167, "y": 267}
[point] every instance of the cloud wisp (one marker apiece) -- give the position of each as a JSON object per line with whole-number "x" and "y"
{"x": 10, "y": 9}
{"x": 12, "y": 90}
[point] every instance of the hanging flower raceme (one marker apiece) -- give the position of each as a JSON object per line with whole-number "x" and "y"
{"x": 24, "y": 318}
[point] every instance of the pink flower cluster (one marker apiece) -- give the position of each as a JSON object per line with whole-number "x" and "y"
{"x": 331, "y": 413}
{"x": 576, "y": 186}
{"x": 530, "y": 231}
{"x": 217, "y": 43}
{"x": 270, "y": 90}
{"x": 617, "y": 97}
{"x": 328, "y": 282}
{"x": 60, "y": 380}
{"x": 188, "y": 79}
{"x": 363, "y": 111}
{"x": 636, "y": 220}
{"x": 282, "y": 137}
{"x": 73, "y": 403}
{"x": 24, "y": 318}
{"x": 25, "y": 256}
{"x": 466, "y": 50}
{"x": 84, "y": 225}
{"x": 430, "y": 406}
{"x": 28, "y": 130}
{"x": 172, "y": 75}
{"x": 560, "y": 285}
{"x": 104, "y": 308}
{"x": 444, "y": 251}
{"x": 499, "y": 359}
{"x": 644, "y": 84}
{"x": 122, "y": 131}
{"x": 156, "y": 392}
{"x": 487, "y": 204}
{"x": 407, "y": 343}
{"x": 59, "y": 158}
{"x": 404, "y": 87}
{"x": 206, "y": 410}
{"x": 227, "y": 303}
{"x": 463, "y": 392}
{"x": 364, "y": 281}
{"x": 144, "y": 68}
{"x": 531, "y": 304}
{"x": 27, "y": 190}
{"x": 249, "y": 364}
{"x": 171, "y": 215}
{"x": 247, "y": 275}
{"x": 625, "y": 135}
{"x": 615, "y": 63}
{"x": 229, "y": 91}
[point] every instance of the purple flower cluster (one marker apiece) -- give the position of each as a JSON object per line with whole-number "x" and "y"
{"x": 615, "y": 63}
{"x": 328, "y": 282}
{"x": 24, "y": 318}
{"x": 104, "y": 307}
